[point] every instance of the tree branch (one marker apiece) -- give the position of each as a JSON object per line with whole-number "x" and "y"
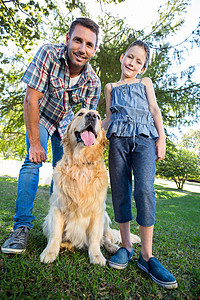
{"x": 13, "y": 132}
{"x": 3, "y": 2}
{"x": 174, "y": 46}
{"x": 182, "y": 89}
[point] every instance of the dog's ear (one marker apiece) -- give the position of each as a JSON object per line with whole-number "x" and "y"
{"x": 65, "y": 139}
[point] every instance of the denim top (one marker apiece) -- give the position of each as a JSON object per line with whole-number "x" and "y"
{"x": 130, "y": 115}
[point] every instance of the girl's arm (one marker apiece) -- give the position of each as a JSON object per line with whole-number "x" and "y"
{"x": 107, "y": 92}
{"x": 157, "y": 117}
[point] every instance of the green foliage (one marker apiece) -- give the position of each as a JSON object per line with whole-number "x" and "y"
{"x": 20, "y": 22}
{"x": 191, "y": 141}
{"x": 12, "y": 149}
{"x": 179, "y": 165}
{"x": 25, "y": 25}
{"x": 176, "y": 100}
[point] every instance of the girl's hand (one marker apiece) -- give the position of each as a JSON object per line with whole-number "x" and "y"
{"x": 160, "y": 148}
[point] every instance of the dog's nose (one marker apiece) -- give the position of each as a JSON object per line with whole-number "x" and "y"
{"x": 91, "y": 116}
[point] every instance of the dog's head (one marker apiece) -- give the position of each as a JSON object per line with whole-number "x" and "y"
{"x": 84, "y": 135}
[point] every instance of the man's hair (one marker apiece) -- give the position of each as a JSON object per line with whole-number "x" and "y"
{"x": 145, "y": 47}
{"x": 86, "y": 22}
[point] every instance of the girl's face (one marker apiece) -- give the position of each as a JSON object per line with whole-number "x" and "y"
{"x": 132, "y": 62}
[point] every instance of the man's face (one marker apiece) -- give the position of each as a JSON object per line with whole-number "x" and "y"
{"x": 81, "y": 47}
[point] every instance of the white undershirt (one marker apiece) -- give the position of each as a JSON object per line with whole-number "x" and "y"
{"x": 73, "y": 80}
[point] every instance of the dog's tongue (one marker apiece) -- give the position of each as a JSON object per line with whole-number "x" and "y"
{"x": 88, "y": 138}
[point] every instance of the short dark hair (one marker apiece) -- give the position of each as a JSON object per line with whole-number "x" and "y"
{"x": 86, "y": 22}
{"x": 146, "y": 48}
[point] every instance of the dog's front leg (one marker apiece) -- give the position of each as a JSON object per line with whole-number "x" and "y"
{"x": 54, "y": 223}
{"x": 95, "y": 234}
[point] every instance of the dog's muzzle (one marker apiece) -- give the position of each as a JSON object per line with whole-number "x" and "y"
{"x": 88, "y": 135}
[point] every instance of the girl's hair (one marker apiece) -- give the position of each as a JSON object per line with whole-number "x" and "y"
{"x": 145, "y": 47}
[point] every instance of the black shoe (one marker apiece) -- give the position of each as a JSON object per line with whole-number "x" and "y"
{"x": 17, "y": 241}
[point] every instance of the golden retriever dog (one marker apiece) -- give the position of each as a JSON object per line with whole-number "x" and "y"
{"x": 77, "y": 216}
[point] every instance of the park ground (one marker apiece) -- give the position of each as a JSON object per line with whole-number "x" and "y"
{"x": 71, "y": 276}
{"x": 11, "y": 168}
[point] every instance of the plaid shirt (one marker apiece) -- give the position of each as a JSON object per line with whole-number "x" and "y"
{"x": 49, "y": 74}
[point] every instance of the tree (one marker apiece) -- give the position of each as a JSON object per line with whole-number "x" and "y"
{"x": 176, "y": 100}
{"x": 191, "y": 141}
{"x": 178, "y": 165}
{"x": 23, "y": 26}
{"x": 26, "y": 25}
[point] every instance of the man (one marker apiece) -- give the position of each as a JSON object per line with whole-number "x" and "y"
{"x": 58, "y": 78}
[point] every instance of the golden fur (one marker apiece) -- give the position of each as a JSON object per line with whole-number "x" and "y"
{"x": 77, "y": 216}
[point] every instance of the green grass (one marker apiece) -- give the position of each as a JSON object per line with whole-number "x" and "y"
{"x": 176, "y": 245}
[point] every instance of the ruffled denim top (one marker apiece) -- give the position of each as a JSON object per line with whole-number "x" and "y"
{"x": 130, "y": 115}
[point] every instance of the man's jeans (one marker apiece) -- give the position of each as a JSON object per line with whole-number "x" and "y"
{"x": 29, "y": 179}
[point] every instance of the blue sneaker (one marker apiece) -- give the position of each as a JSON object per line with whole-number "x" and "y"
{"x": 157, "y": 272}
{"x": 120, "y": 259}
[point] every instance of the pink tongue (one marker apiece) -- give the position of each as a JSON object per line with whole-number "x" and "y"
{"x": 88, "y": 138}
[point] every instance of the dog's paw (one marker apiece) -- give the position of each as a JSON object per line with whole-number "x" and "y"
{"x": 98, "y": 259}
{"x": 135, "y": 239}
{"x": 111, "y": 248}
{"x": 47, "y": 256}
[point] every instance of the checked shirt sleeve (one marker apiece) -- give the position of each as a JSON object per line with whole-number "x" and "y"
{"x": 93, "y": 95}
{"x": 37, "y": 73}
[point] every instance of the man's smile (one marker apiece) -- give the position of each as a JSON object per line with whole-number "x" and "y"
{"x": 79, "y": 56}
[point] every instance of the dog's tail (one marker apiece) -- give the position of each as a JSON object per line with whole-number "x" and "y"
{"x": 112, "y": 237}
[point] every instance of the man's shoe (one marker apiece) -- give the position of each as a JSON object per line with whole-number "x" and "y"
{"x": 17, "y": 241}
{"x": 120, "y": 259}
{"x": 157, "y": 272}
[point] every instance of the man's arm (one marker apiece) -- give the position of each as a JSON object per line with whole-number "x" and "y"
{"x": 37, "y": 153}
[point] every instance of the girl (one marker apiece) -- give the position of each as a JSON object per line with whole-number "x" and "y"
{"x": 137, "y": 140}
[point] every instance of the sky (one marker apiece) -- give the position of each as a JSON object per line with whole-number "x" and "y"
{"x": 140, "y": 14}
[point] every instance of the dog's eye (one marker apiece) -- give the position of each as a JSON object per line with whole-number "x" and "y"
{"x": 80, "y": 114}
{"x": 98, "y": 117}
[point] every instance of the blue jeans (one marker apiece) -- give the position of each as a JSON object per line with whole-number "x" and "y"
{"x": 129, "y": 155}
{"x": 29, "y": 179}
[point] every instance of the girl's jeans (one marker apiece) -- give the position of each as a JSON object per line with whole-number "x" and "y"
{"x": 29, "y": 178}
{"x": 135, "y": 155}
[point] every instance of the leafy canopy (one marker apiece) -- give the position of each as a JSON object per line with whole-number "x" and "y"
{"x": 27, "y": 24}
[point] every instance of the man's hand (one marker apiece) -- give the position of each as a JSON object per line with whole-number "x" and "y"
{"x": 37, "y": 154}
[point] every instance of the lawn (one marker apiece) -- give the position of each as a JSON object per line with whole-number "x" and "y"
{"x": 176, "y": 245}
